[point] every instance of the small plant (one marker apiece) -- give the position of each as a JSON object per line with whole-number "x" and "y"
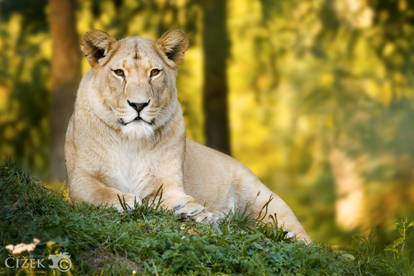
{"x": 272, "y": 230}
{"x": 240, "y": 217}
{"x": 399, "y": 247}
{"x": 145, "y": 207}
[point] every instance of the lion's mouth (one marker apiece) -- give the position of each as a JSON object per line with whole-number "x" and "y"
{"x": 138, "y": 118}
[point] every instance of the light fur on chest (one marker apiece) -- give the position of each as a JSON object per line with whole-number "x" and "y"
{"x": 130, "y": 169}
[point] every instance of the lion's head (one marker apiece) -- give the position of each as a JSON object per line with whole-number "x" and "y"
{"x": 133, "y": 83}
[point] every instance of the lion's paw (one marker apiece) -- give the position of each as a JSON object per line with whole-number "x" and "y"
{"x": 207, "y": 217}
{"x": 188, "y": 210}
{"x": 195, "y": 211}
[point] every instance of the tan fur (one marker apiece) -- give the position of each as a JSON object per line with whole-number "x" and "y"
{"x": 109, "y": 153}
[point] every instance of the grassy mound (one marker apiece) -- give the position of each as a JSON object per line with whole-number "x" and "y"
{"x": 149, "y": 240}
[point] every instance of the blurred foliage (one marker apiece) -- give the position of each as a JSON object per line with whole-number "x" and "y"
{"x": 304, "y": 76}
{"x": 24, "y": 73}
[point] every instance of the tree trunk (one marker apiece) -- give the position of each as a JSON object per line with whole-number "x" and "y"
{"x": 349, "y": 205}
{"x": 66, "y": 73}
{"x": 215, "y": 52}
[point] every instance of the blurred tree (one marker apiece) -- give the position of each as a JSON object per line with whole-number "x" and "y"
{"x": 66, "y": 73}
{"x": 24, "y": 74}
{"x": 215, "y": 88}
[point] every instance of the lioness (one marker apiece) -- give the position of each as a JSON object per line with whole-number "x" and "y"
{"x": 126, "y": 137}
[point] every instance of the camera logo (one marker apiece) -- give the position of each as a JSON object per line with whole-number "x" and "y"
{"x": 61, "y": 262}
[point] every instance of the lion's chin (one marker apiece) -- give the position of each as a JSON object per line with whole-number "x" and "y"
{"x": 138, "y": 130}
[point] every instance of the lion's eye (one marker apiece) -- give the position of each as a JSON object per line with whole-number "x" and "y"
{"x": 119, "y": 72}
{"x": 155, "y": 72}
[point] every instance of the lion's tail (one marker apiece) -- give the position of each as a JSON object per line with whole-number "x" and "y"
{"x": 263, "y": 201}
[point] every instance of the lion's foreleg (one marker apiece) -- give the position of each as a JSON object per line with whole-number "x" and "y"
{"x": 89, "y": 189}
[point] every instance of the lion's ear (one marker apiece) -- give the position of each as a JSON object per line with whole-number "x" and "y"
{"x": 173, "y": 44}
{"x": 98, "y": 46}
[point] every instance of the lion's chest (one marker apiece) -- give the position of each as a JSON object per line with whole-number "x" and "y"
{"x": 131, "y": 170}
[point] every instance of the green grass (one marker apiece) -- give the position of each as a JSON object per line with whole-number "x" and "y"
{"x": 150, "y": 240}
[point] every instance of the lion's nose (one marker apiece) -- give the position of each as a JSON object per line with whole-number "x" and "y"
{"x": 138, "y": 106}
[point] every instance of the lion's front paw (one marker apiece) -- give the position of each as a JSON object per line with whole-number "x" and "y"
{"x": 195, "y": 211}
{"x": 188, "y": 210}
{"x": 207, "y": 217}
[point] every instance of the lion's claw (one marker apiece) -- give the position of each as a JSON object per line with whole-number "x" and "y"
{"x": 207, "y": 217}
{"x": 196, "y": 212}
{"x": 290, "y": 236}
{"x": 188, "y": 214}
